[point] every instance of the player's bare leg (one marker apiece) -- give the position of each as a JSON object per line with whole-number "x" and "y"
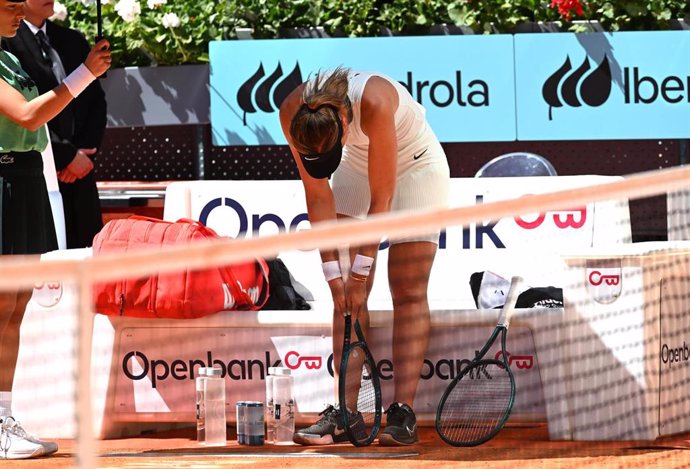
{"x": 409, "y": 267}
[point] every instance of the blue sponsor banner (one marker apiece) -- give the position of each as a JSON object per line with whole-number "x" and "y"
{"x": 603, "y": 86}
{"x": 464, "y": 82}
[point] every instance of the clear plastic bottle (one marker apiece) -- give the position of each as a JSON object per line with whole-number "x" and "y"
{"x": 283, "y": 406}
{"x": 240, "y": 408}
{"x": 200, "y": 406}
{"x": 270, "y": 421}
{"x": 215, "y": 408}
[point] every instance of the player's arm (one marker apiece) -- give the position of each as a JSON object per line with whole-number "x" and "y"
{"x": 35, "y": 113}
{"x": 378, "y": 107}
{"x": 318, "y": 194}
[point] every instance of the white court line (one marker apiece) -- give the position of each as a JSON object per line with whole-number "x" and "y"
{"x": 174, "y": 464}
{"x": 360, "y": 455}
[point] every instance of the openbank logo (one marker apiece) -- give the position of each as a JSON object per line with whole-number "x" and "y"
{"x": 522, "y": 362}
{"x": 604, "y": 285}
{"x": 568, "y": 87}
{"x": 677, "y": 355}
{"x": 47, "y": 294}
{"x": 295, "y": 360}
{"x": 266, "y": 94}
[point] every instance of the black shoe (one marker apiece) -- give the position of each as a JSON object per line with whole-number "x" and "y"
{"x": 328, "y": 429}
{"x": 401, "y": 426}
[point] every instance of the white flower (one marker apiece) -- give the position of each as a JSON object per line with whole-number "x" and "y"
{"x": 128, "y": 9}
{"x": 88, "y": 3}
{"x": 155, "y": 3}
{"x": 170, "y": 20}
{"x": 59, "y": 12}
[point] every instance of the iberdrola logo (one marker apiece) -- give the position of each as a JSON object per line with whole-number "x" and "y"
{"x": 266, "y": 94}
{"x": 568, "y": 87}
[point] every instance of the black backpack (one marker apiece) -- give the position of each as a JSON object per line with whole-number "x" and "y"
{"x": 281, "y": 293}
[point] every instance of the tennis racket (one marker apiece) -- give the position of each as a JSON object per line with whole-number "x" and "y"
{"x": 477, "y": 403}
{"x": 359, "y": 389}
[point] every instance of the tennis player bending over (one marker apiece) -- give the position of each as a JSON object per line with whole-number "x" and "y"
{"x": 367, "y": 133}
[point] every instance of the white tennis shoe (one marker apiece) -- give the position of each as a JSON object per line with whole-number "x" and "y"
{"x": 16, "y": 443}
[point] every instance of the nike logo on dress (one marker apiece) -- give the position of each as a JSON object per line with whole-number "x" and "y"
{"x": 416, "y": 157}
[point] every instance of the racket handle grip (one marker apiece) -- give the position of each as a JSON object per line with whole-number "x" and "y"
{"x": 511, "y": 300}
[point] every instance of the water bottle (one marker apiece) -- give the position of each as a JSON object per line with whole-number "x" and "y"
{"x": 215, "y": 408}
{"x": 283, "y": 407}
{"x": 200, "y": 406}
{"x": 240, "y": 408}
{"x": 270, "y": 421}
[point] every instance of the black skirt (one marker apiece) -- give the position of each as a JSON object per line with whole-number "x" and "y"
{"x": 27, "y": 224}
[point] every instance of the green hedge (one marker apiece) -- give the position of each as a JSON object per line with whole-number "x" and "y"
{"x": 172, "y": 32}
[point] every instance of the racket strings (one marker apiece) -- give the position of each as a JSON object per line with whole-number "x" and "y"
{"x": 478, "y": 404}
{"x": 360, "y": 396}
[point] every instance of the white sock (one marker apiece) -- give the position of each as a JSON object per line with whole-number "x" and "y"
{"x": 5, "y": 404}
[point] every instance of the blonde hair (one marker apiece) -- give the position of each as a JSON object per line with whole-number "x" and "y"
{"x": 314, "y": 126}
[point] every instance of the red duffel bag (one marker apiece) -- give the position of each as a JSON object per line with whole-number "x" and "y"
{"x": 177, "y": 295}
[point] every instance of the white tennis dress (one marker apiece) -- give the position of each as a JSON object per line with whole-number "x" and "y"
{"x": 422, "y": 170}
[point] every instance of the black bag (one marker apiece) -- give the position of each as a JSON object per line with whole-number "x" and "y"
{"x": 281, "y": 293}
{"x": 540, "y": 297}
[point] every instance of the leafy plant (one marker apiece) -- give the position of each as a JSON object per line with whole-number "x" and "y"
{"x": 172, "y": 32}
{"x": 414, "y": 16}
{"x": 268, "y": 17}
{"x": 636, "y": 15}
{"x": 154, "y": 32}
{"x": 351, "y": 18}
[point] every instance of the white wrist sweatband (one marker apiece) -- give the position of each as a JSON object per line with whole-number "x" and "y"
{"x": 78, "y": 80}
{"x": 362, "y": 265}
{"x": 331, "y": 270}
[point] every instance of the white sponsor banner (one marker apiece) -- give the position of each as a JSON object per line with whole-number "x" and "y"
{"x": 674, "y": 359}
{"x": 629, "y": 345}
{"x": 157, "y": 366}
{"x": 526, "y": 245}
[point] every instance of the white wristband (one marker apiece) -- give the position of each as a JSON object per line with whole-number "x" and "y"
{"x": 78, "y": 80}
{"x": 331, "y": 270}
{"x": 362, "y": 265}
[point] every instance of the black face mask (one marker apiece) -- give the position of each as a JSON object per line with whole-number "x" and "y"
{"x": 322, "y": 165}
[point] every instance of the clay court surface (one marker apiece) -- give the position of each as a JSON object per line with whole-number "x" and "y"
{"x": 515, "y": 447}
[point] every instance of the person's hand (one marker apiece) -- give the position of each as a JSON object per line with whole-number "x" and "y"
{"x": 79, "y": 167}
{"x": 99, "y": 59}
{"x": 66, "y": 176}
{"x": 355, "y": 296}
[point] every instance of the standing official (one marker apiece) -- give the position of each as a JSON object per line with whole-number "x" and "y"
{"x": 48, "y": 52}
